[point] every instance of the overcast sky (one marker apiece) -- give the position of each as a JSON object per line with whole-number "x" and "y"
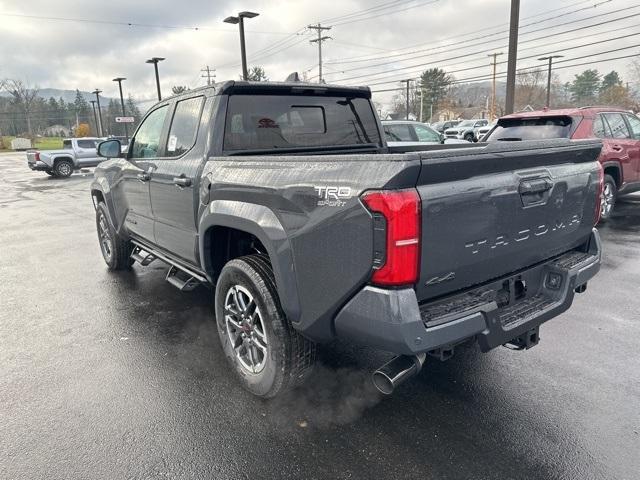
{"x": 374, "y": 39}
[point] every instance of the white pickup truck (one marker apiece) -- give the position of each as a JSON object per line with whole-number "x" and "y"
{"x": 76, "y": 153}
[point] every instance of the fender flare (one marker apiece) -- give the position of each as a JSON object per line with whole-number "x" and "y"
{"x": 63, "y": 156}
{"x": 102, "y": 185}
{"x": 261, "y": 222}
{"x": 618, "y": 166}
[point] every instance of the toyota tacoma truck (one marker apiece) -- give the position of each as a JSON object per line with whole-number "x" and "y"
{"x": 285, "y": 199}
{"x": 76, "y": 153}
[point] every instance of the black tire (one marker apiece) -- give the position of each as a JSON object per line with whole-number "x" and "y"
{"x": 469, "y": 137}
{"x": 51, "y": 173}
{"x": 288, "y": 357}
{"x": 63, "y": 168}
{"x": 116, "y": 251}
{"x": 609, "y": 197}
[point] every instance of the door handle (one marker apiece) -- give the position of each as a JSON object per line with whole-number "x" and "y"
{"x": 182, "y": 181}
{"x": 534, "y": 186}
{"x": 617, "y": 148}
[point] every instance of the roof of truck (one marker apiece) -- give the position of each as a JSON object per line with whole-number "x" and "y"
{"x": 231, "y": 86}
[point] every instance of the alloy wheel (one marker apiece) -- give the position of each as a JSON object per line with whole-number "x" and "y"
{"x": 106, "y": 244}
{"x": 245, "y": 328}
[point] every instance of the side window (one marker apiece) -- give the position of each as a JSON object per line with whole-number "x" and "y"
{"x": 86, "y": 144}
{"x": 398, "y": 133}
{"x": 147, "y": 139}
{"x": 617, "y": 125}
{"x": 634, "y": 123}
{"x": 426, "y": 134}
{"x": 184, "y": 126}
{"x": 600, "y": 127}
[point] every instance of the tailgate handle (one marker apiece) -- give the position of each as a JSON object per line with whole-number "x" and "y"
{"x": 534, "y": 186}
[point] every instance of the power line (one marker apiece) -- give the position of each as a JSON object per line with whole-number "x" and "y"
{"x": 522, "y": 58}
{"x": 474, "y": 53}
{"x": 525, "y": 70}
{"x": 386, "y": 12}
{"x": 209, "y": 74}
{"x": 134, "y": 24}
{"x": 482, "y": 37}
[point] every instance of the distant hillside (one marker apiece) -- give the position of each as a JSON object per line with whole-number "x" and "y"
{"x": 67, "y": 95}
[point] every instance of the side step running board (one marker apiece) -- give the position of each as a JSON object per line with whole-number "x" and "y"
{"x": 180, "y": 276}
{"x": 181, "y": 279}
{"x": 143, "y": 260}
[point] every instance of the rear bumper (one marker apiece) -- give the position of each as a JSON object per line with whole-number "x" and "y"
{"x": 38, "y": 166}
{"x": 494, "y": 314}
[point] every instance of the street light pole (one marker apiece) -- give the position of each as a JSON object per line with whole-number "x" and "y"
{"x": 155, "y": 61}
{"x": 97, "y": 93}
{"x": 124, "y": 114}
{"x": 95, "y": 116}
{"x": 550, "y": 58}
{"x": 514, "y": 23}
{"x": 239, "y": 20}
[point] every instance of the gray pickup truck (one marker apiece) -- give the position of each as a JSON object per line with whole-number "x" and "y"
{"x": 76, "y": 153}
{"x": 286, "y": 198}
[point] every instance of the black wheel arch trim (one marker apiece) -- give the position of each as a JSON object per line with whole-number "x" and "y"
{"x": 263, "y": 223}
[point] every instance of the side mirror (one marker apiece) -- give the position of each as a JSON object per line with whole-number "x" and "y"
{"x": 109, "y": 148}
{"x": 442, "y": 138}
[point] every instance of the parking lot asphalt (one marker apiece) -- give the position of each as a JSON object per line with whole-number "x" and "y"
{"x": 113, "y": 376}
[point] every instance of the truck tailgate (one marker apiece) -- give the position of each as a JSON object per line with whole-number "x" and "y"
{"x": 491, "y": 210}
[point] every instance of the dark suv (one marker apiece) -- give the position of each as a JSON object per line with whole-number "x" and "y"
{"x": 619, "y": 130}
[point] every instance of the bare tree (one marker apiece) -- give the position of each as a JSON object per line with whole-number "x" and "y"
{"x": 24, "y": 96}
{"x": 530, "y": 87}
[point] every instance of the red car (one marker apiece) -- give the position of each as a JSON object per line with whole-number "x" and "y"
{"x": 618, "y": 129}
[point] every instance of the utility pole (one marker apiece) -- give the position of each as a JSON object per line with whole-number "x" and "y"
{"x": 155, "y": 61}
{"x": 407, "y": 81}
{"x": 124, "y": 114}
{"x": 550, "y": 58}
{"x": 97, "y": 93}
{"x": 513, "y": 56}
{"x": 493, "y": 86}
{"x": 208, "y": 75}
{"x": 95, "y": 116}
{"x": 319, "y": 28}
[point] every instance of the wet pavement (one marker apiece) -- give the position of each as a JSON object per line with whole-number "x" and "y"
{"x": 121, "y": 375}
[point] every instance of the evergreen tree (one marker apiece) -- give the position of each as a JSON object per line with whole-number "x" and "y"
{"x": 611, "y": 79}
{"x": 133, "y": 111}
{"x": 434, "y": 84}
{"x": 585, "y": 87}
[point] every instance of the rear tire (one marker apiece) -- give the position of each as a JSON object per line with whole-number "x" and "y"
{"x": 609, "y": 197}
{"x": 268, "y": 355}
{"x": 116, "y": 251}
{"x": 63, "y": 168}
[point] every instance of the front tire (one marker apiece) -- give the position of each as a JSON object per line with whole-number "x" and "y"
{"x": 268, "y": 355}
{"x": 63, "y": 168}
{"x": 115, "y": 250}
{"x": 609, "y": 197}
{"x": 469, "y": 137}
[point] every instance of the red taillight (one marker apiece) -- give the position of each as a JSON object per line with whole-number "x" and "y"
{"x": 599, "y": 191}
{"x": 37, "y": 156}
{"x": 401, "y": 210}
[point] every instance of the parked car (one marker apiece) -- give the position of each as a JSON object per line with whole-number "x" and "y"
{"x": 466, "y": 130}
{"x": 411, "y": 133}
{"x": 440, "y": 127}
{"x": 482, "y": 131}
{"x": 618, "y": 129}
{"x": 76, "y": 153}
{"x": 286, "y": 198}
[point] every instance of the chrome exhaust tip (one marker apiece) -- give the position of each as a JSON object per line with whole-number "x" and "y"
{"x": 396, "y": 371}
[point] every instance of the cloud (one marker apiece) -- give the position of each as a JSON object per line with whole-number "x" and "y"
{"x": 76, "y": 54}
